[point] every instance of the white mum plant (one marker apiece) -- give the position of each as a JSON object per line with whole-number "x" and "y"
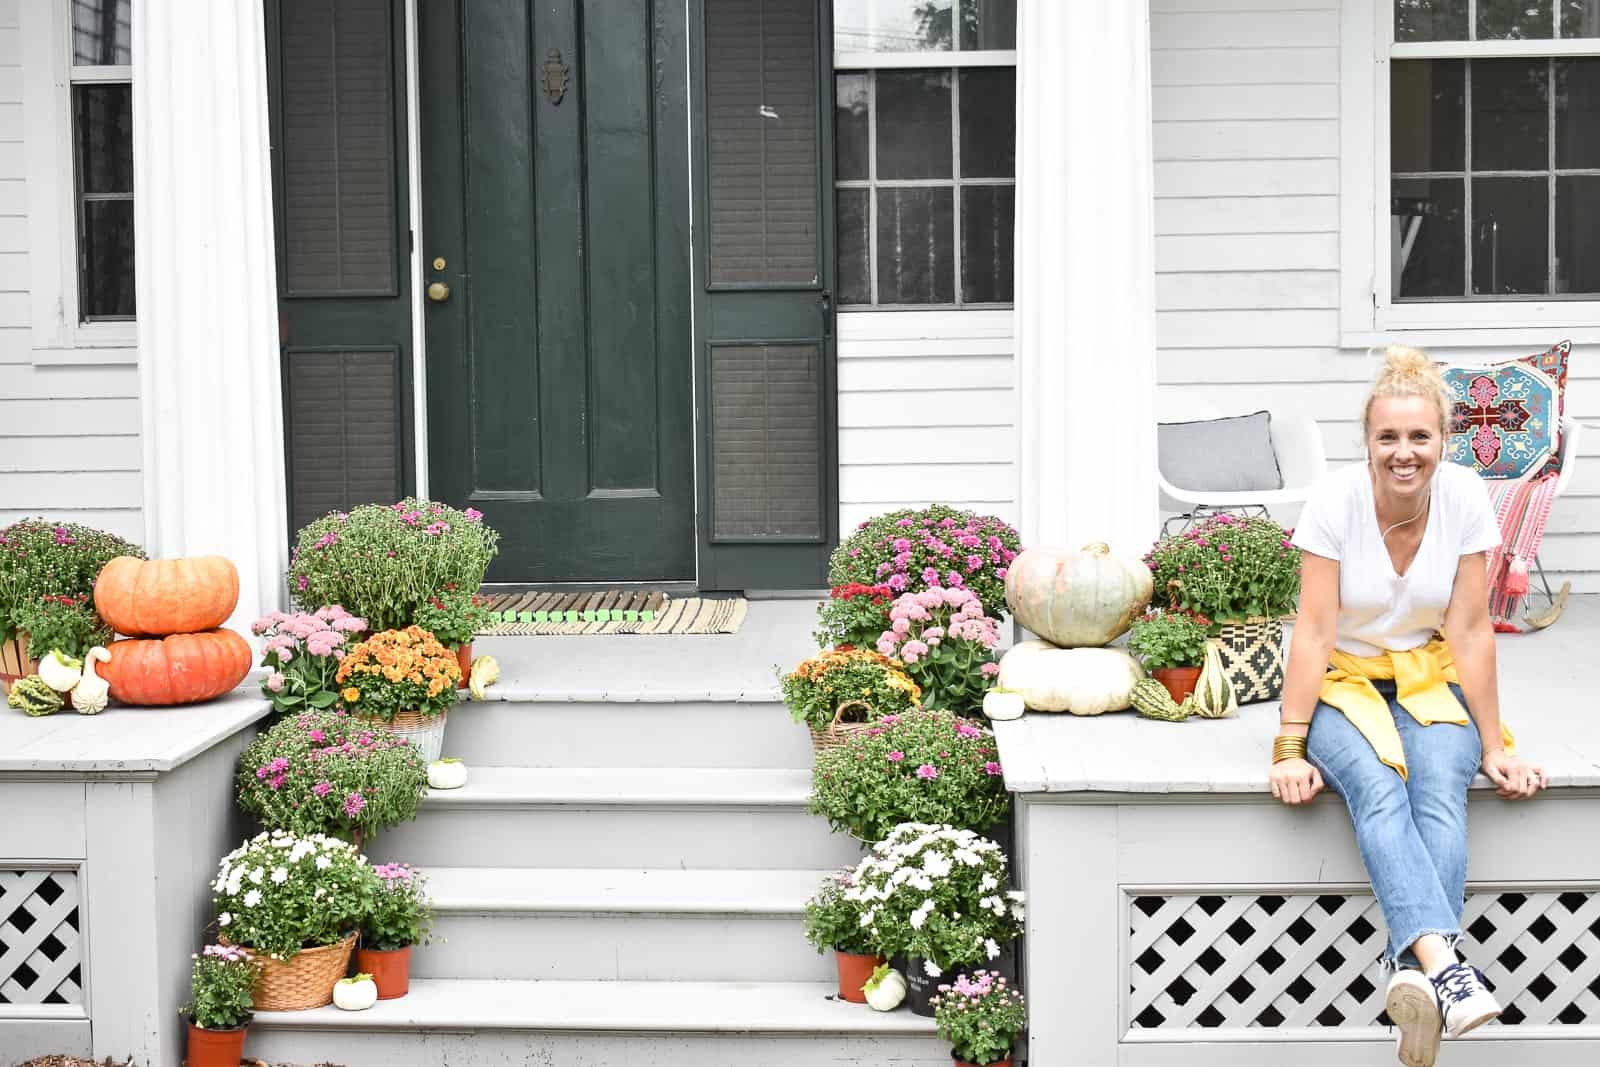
{"x": 281, "y": 892}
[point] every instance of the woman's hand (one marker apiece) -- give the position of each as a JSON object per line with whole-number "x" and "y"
{"x": 1514, "y": 777}
{"x": 1295, "y": 781}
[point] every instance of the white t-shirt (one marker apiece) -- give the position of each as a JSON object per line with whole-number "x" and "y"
{"x": 1380, "y": 610}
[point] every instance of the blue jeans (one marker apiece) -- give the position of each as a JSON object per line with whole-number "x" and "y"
{"x": 1399, "y": 821}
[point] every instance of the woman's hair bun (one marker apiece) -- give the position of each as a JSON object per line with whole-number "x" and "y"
{"x": 1409, "y": 371}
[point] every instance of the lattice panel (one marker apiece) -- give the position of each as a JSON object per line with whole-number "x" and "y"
{"x": 39, "y": 949}
{"x": 1304, "y": 960}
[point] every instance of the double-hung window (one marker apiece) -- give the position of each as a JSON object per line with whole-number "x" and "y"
{"x": 102, "y": 150}
{"x": 925, "y": 151}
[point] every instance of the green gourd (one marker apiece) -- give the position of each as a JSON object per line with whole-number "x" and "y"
{"x": 32, "y": 696}
{"x": 1214, "y": 696}
{"x": 1151, "y": 699}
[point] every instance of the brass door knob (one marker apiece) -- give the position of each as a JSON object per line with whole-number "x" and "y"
{"x": 438, "y": 292}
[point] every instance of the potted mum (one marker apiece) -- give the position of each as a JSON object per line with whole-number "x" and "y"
{"x": 922, "y": 765}
{"x": 402, "y": 681}
{"x": 293, "y": 903}
{"x": 924, "y": 548}
{"x": 853, "y": 615}
{"x": 947, "y": 645}
{"x": 325, "y": 772}
{"x": 454, "y": 616}
{"x": 833, "y": 921}
{"x": 400, "y": 916}
{"x": 220, "y": 1003}
{"x": 981, "y": 1015}
{"x": 383, "y": 562}
{"x": 855, "y": 682}
{"x": 303, "y": 651}
{"x": 937, "y": 894}
{"x": 1244, "y": 575}
{"x": 1171, "y": 645}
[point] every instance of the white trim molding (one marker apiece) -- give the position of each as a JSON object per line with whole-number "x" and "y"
{"x": 1367, "y": 315}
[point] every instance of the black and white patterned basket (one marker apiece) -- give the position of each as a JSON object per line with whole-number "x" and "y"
{"x": 1252, "y": 653}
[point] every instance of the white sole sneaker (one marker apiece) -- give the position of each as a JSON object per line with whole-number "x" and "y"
{"x": 1414, "y": 1009}
{"x": 1472, "y": 1024}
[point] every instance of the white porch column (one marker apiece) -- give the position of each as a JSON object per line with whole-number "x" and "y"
{"x": 1085, "y": 270}
{"x": 207, "y": 291}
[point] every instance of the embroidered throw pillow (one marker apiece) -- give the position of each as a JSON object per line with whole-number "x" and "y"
{"x": 1506, "y": 423}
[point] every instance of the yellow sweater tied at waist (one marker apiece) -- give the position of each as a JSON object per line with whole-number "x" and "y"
{"x": 1421, "y": 677}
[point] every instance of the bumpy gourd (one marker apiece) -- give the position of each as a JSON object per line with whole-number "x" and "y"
{"x": 1214, "y": 695}
{"x": 1151, "y": 699}
{"x": 32, "y": 696}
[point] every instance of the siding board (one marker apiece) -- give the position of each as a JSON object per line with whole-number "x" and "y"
{"x": 1279, "y": 177}
{"x": 1258, "y": 66}
{"x": 1222, "y": 215}
{"x": 1280, "y": 289}
{"x": 1236, "y": 30}
{"x": 67, "y": 418}
{"x": 1211, "y": 103}
{"x": 95, "y": 453}
{"x": 116, "y": 381}
{"x": 109, "y": 490}
{"x": 1255, "y": 139}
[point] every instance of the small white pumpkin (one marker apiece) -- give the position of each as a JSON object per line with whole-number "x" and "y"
{"x": 357, "y": 993}
{"x": 90, "y": 694}
{"x": 60, "y": 672}
{"x": 447, "y": 774}
{"x": 1083, "y": 681}
{"x": 1082, "y": 599}
{"x": 1003, "y": 705}
{"x": 885, "y": 989}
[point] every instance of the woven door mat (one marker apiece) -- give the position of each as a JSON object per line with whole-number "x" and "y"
{"x": 612, "y": 612}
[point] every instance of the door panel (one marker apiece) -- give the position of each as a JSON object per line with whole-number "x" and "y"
{"x": 555, "y": 189}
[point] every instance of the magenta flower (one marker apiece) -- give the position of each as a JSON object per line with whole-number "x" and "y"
{"x": 322, "y": 788}
{"x": 473, "y": 514}
{"x": 930, "y": 576}
{"x": 895, "y": 757}
{"x": 992, "y": 769}
{"x": 966, "y": 729}
{"x": 353, "y": 804}
{"x": 927, "y": 772}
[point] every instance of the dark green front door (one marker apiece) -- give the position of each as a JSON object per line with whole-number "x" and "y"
{"x": 555, "y": 193}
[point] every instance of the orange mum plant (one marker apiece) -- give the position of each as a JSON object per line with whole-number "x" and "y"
{"x": 396, "y": 671}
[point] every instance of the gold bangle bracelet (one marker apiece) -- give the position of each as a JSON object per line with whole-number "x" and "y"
{"x": 1294, "y": 722}
{"x": 1287, "y": 747}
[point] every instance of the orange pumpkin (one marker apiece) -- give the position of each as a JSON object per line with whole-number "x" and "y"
{"x": 153, "y": 598}
{"x": 180, "y": 669}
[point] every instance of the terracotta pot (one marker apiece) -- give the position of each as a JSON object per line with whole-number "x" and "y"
{"x": 391, "y": 970}
{"x": 997, "y": 1063}
{"x": 216, "y": 1048}
{"x": 464, "y": 661}
{"x": 853, "y": 974}
{"x": 1180, "y": 681}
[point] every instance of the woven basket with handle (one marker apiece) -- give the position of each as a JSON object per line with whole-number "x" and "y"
{"x": 306, "y": 981}
{"x": 425, "y": 732}
{"x": 839, "y": 731}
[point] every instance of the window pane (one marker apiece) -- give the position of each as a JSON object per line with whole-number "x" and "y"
{"x": 102, "y": 33}
{"x": 989, "y": 122}
{"x": 915, "y": 246}
{"x": 1578, "y": 235}
{"x": 913, "y": 124}
{"x": 1428, "y": 251}
{"x": 891, "y": 25}
{"x": 1430, "y": 20}
{"x": 1510, "y": 114}
{"x": 850, "y": 128}
{"x": 1578, "y": 113}
{"x": 986, "y": 243}
{"x": 103, "y": 137}
{"x": 855, "y": 281}
{"x": 1427, "y": 113}
{"x": 1509, "y": 235}
{"x": 1580, "y": 18}
{"x": 988, "y": 24}
{"x": 106, "y": 254}
{"x": 1515, "y": 20}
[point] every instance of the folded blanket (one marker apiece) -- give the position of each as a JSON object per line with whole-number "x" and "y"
{"x": 1521, "y": 509}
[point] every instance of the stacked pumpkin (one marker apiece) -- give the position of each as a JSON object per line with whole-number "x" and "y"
{"x": 171, "y": 611}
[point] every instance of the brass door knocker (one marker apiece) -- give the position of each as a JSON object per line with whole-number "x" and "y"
{"x": 555, "y": 77}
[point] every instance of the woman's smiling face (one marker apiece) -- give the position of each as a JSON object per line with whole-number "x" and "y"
{"x": 1405, "y": 443}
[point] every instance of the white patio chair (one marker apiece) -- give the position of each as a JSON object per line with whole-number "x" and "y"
{"x": 1297, "y": 446}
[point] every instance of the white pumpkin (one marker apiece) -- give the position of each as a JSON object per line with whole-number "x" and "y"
{"x": 89, "y": 695}
{"x": 1002, "y": 705}
{"x": 1083, "y": 681}
{"x": 885, "y": 989}
{"x": 1082, "y": 599}
{"x": 447, "y": 774}
{"x": 355, "y": 994}
{"x": 59, "y": 671}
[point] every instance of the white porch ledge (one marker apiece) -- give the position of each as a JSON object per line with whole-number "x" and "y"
{"x": 123, "y": 740}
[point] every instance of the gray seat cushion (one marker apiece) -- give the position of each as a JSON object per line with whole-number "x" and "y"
{"x": 1229, "y": 455}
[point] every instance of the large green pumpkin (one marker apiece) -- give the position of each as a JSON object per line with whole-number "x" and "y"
{"x": 1081, "y": 599}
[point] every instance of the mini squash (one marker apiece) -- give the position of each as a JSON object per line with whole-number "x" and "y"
{"x": 1151, "y": 699}
{"x": 90, "y": 694}
{"x": 1214, "y": 695}
{"x": 32, "y": 696}
{"x": 158, "y": 597}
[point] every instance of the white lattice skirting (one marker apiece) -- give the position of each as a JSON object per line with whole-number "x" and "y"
{"x": 39, "y": 952}
{"x": 1307, "y": 960}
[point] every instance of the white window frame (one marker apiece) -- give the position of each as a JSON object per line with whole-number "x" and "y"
{"x": 1367, "y": 314}
{"x": 59, "y": 339}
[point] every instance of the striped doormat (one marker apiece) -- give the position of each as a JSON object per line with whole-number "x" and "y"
{"x": 612, "y": 612}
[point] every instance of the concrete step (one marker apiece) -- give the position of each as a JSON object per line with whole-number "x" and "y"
{"x": 647, "y": 925}
{"x": 521, "y": 726}
{"x": 610, "y": 817}
{"x": 467, "y": 1023}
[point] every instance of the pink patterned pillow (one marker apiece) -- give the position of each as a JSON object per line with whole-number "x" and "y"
{"x": 1506, "y": 423}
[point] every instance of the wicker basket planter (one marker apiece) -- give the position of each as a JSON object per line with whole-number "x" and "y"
{"x": 839, "y": 731}
{"x": 1252, "y": 654}
{"x": 426, "y": 732}
{"x": 15, "y": 662}
{"x": 304, "y": 982}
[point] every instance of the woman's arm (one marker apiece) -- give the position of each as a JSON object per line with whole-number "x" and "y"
{"x": 1295, "y": 781}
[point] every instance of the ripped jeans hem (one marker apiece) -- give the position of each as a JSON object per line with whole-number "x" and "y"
{"x": 1393, "y": 961}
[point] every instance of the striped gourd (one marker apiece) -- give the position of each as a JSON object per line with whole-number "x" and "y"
{"x": 1214, "y": 696}
{"x": 1151, "y": 699}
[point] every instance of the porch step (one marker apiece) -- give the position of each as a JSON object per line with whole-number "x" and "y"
{"x": 627, "y": 817}
{"x": 467, "y": 1023}
{"x": 653, "y": 925}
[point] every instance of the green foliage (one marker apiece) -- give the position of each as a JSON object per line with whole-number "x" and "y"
{"x": 327, "y": 773}
{"x": 921, "y": 548}
{"x": 280, "y": 892}
{"x": 220, "y": 983}
{"x": 834, "y": 921}
{"x": 401, "y": 913}
{"x": 854, "y": 614}
{"x": 1227, "y": 568}
{"x": 41, "y": 559}
{"x": 68, "y": 624}
{"x": 981, "y": 1015}
{"x": 923, "y": 765}
{"x": 383, "y": 562}
{"x": 816, "y": 688}
{"x": 1163, "y": 639}
{"x": 454, "y": 617}
{"x": 32, "y": 697}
